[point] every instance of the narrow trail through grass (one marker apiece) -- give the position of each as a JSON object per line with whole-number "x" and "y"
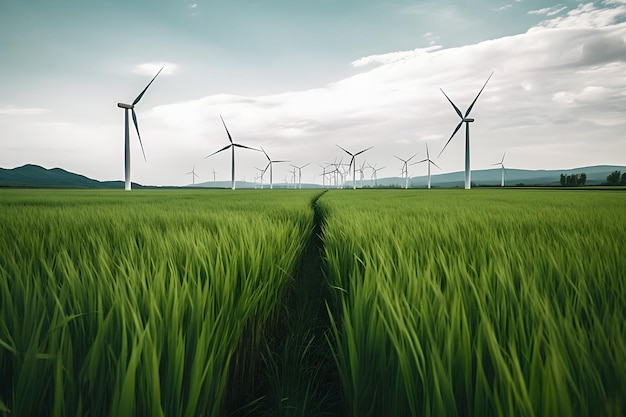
{"x": 302, "y": 378}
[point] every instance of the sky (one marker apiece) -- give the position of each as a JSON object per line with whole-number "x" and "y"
{"x": 298, "y": 78}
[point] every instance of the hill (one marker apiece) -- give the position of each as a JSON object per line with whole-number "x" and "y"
{"x": 37, "y": 176}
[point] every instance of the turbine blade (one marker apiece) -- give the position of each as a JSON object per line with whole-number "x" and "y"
{"x": 503, "y": 155}
{"x": 427, "y": 154}
{"x": 453, "y": 105}
{"x": 306, "y": 165}
{"x": 412, "y": 157}
{"x": 227, "y": 132}
{"x": 360, "y": 152}
{"x": 223, "y": 149}
{"x": 344, "y": 150}
{"x": 144, "y": 90}
{"x": 266, "y": 167}
{"x": 279, "y": 161}
{"x": 247, "y": 147}
{"x": 266, "y": 155}
{"x": 138, "y": 135}
{"x": 431, "y": 162}
{"x": 469, "y": 109}
{"x": 453, "y": 133}
{"x": 397, "y": 157}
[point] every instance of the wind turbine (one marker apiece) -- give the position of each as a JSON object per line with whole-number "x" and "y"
{"x": 467, "y": 120}
{"x": 428, "y": 161}
{"x": 405, "y": 170}
{"x": 214, "y": 176}
{"x": 501, "y": 163}
{"x": 131, "y": 107}
{"x": 193, "y": 175}
{"x": 270, "y": 163}
{"x": 259, "y": 176}
{"x": 353, "y": 163}
{"x": 232, "y": 147}
{"x": 299, "y": 175}
{"x": 375, "y": 174}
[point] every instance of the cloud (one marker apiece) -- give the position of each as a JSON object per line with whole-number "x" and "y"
{"x": 549, "y": 11}
{"x": 506, "y": 6}
{"x": 151, "y": 68}
{"x": 22, "y": 111}
{"x": 558, "y": 85}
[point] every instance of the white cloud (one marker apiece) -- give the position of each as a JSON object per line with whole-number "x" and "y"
{"x": 151, "y": 68}
{"x": 22, "y": 111}
{"x": 560, "y": 82}
{"x": 549, "y": 11}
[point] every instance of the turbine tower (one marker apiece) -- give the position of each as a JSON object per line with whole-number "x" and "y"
{"x": 232, "y": 146}
{"x": 299, "y": 174}
{"x": 270, "y": 163}
{"x": 374, "y": 176}
{"x": 193, "y": 175}
{"x": 353, "y": 163}
{"x": 467, "y": 120}
{"x": 405, "y": 170}
{"x": 131, "y": 107}
{"x": 501, "y": 163}
{"x": 428, "y": 161}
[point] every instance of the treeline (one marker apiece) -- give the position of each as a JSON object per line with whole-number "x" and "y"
{"x": 616, "y": 178}
{"x": 574, "y": 180}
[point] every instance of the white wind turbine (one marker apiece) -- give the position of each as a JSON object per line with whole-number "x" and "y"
{"x": 299, "y": 175}
{"x": 131, "y": 107}
{"x": 501, "y": 163}
{"x": 405, "y": 170}
{"x": 193, "y": 175}
{"x": 353, "y": 163}
{"x": 428, "y": 161}
{"x": 214, "y": 176}
{"x": 260, "y": 174}
{"x": 270, "y": 163}
{"x": 232, "y": 147}
{"x": 374, "y": 176}
{"x": 467, "y": 120}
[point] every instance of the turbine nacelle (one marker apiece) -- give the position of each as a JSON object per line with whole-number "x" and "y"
{"x": 125, "y": 106}
{"x": 468, "y": 119}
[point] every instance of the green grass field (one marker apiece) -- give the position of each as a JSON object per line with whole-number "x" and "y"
{"x": 438, "y": 302}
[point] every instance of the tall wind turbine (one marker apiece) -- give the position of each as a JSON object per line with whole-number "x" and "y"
{"x": 405, "y": 169}
{"x": 428, "y": 161}
{"x": 131, "y": 107}
{"x": 299, "y": 174}
{"x": 501, "y": 163}
{"x": 353, "y": 163}
{"x": 193, "y": 175}
{"x": 270, "y": 163}
{"x": 467, "y": 120}
{"x": 232, "y": 146}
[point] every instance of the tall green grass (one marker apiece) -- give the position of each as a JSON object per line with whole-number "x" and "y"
{"x": 143, "y": 303}
{"x": 502, "y": 303}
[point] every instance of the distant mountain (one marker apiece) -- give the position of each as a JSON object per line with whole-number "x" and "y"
{"x": 596, "y": 175}
{"x": 36, "y": 176}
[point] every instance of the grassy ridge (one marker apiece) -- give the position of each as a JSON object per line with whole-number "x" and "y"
{"x": 478, "y": 303}
{"x": 147, "y": 303}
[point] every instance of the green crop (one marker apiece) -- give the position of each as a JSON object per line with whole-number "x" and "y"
{"x": 212, "y": 302}
{"x": 478, "y": 303}
{"x": 144, "y": 304}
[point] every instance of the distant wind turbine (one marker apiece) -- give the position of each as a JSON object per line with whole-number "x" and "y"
{"x": 131, "y": 107}
{"x": 501, "y": 163}
{"x": 214, "y": 175}
{"x": 193, "y": 175}
{"x": 232, "y": 147}
{"x": 428, "y": 161}
{"x": 299, "y": 174}
{"x": 405, "y": 170}
{"x": 375, "y": 173}
{"x": 353, "y": 163}
{"x": 270, "y": 163}
{"x": 467, "y": 120}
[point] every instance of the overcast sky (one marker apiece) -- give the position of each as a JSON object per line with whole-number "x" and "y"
{"x": 299, "y": 77}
